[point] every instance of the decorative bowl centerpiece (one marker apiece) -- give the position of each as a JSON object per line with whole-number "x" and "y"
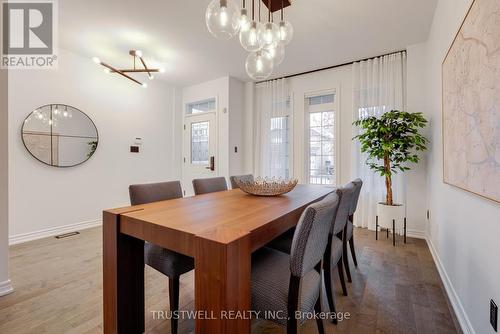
{"x": 267, "y": 186}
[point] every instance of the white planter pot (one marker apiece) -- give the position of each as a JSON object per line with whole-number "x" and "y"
{"x": 387, "y": 213}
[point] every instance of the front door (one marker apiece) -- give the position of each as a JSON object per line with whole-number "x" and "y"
{"x": 199, "y": 148}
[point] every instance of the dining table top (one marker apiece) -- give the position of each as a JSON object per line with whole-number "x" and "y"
{"x": 220, "y": 216}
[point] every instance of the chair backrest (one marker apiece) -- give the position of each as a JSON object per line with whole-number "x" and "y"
{"x": 358, "y": 183}
{"x": 240, "y": 178}
{"x": 311, "y": 235}
{"x": 210, "y": 185}
{"x": 347, "y": 192}
{"x": 154, "y": 192}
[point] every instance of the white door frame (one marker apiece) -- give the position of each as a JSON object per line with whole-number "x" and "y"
{"x": 188, "y": 174}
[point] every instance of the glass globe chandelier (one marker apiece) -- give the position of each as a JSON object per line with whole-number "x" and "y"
{"x": 265, "y": 41}
{"x": 258, "y": 66}
{"x": 223, "y": 18}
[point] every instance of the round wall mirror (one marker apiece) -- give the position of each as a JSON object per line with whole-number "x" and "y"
{"x": 60, "y": 135}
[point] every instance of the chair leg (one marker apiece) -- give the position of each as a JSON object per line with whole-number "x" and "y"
{"x": 319, "y": 321}
{"x": 344, "y": 254}
{"x": 341, "y": 276}
{"x": 327, "y": 269}
{"x": 293, "y": 304}
{"x": 353, "y": 251}
{"x": 173, "y": 287}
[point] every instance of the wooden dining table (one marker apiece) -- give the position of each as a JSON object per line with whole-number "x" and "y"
{"x": 219, "y": 230}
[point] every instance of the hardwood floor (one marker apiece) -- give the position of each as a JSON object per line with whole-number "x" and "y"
{"x": 58, "y": 289}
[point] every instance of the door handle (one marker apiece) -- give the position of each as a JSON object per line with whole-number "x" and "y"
{"x": 212, "y": 164}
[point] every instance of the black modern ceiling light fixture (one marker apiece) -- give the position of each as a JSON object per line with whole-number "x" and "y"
{"x": 143, "y": 68}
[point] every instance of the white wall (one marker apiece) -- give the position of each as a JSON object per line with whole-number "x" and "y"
{"x": 416, "y": 178}
{"x": 236, "y": 133}
{"x": 42, "y": 197}
{"x": 5, "y": 286}
{"x": 464, "y": 228}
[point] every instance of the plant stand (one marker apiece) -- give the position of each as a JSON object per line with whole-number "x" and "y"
{"x": 393, "y": 230}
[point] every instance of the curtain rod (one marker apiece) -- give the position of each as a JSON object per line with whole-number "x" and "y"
{"x": 330, "y": 67}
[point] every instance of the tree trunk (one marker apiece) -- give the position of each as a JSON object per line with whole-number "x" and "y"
{"x": 388, "y": 181}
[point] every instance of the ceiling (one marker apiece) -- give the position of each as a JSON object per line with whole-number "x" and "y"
{"x": 172, "y": 34}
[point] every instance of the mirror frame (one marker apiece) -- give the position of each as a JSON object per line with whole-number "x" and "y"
{"x": 66, "y": 105}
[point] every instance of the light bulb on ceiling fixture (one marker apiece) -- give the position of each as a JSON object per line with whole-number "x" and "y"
{"x": 138, "y": 53}
{"x": 269, "y": 35}
{"x": 144, "y": 85}
{"x": 285, "y": 28}
{"x": 258, "y": 66}
{"x": 249, "y": 39}
{"x": 276, "y": 53}
{"x": 96, "y": 60}
{"x": 223, "y": 18}
{"x": 151, "y": 77}
{"x": 161, "y": 70}
{"x": 107, "y": 70}
{"x": 244, "y": 19}
{"x": 285, "y": 32}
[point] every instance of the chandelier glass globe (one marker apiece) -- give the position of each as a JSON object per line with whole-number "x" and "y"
{"x": 258, "y": 66}
{"x": 244, "y": 20}
{"x": 285, "y": 32}
{"x": 276, "y": 53}
{"x": 269, "y": 35}
{"x": 249, "y": 38}
{"x": 223, "y": 18}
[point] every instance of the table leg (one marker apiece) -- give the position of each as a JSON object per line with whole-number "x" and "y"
{"x": 222, "y": 285}
{"x": 123, "y": 280}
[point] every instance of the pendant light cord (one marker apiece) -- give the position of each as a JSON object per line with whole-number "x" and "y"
{"x": 269, "y": 11}
{"x": 282, "y": 5}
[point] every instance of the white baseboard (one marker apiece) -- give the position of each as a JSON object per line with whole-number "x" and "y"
{"x": 460, "y": 313}
{"x": 50, "y": 232}
{"x": 417, "y": 234}
{"x": 5, "y": 288}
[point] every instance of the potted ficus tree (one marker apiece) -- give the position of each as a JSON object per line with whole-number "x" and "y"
{"x": 392, "y": 142}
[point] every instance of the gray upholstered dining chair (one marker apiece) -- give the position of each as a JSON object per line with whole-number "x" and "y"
{"x": 340, "y": 226}
{"x": 358, "y": 183}
{"x": 168, "y": 262}
{"x": 290, "y": 283}
{"x": 244, "y": 178}
{"x": 210, "y": 185}
{"x": 333, "y": 255}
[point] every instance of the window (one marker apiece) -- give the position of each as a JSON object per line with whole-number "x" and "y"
{"x": 279, "y": 148}
{"x": 322, "y": 169}
{"x": 199, "y": 143}
{"x": 200, "y": 107}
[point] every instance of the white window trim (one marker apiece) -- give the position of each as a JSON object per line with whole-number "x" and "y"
{"x": 335, "y": 106}
{"x": 186, "y": 105}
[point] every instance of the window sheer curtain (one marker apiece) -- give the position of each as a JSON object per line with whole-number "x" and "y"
{"x": 272, "y": 119}
{"x": 379, "y": 86}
